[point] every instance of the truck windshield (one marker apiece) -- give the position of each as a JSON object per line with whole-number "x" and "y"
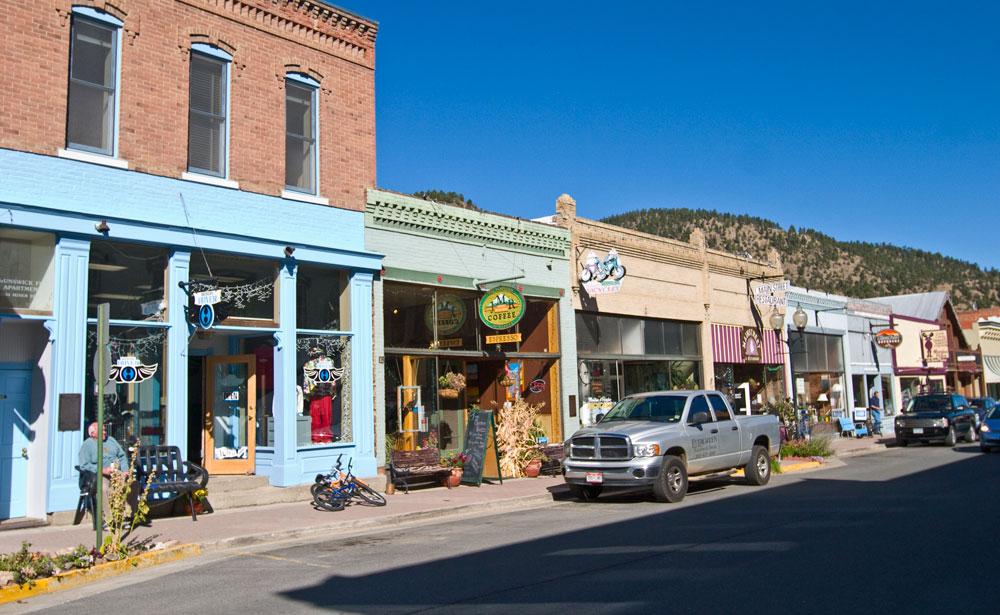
{"x": 659, "y": 408}
{"x": 931, "y": 403}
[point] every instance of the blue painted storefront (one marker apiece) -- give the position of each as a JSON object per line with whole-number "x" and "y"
{"x": 68, "y": 198}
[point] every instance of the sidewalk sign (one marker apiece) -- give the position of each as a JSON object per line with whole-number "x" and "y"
{"x": 480, "y": 427}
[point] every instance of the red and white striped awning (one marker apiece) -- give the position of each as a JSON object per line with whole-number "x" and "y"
{"x": 727, "y": 345}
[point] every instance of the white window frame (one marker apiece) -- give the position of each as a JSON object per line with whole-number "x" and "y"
{"x": 293, "y": 192}
{"x": 83, "y": 153}
{"x": 200, "y": 175}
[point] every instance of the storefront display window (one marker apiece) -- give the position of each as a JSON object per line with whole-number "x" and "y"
{"x": 26, "y": 271}
{"x": 323, "y": 390}
{"x": 130, "y": 278}
{"x": 603, "y": 334}
{"x": 135, "y": 393}
{"x": 321, "y": 298}
{"x": 246, "y": 286}
{"x": 765, "y": 384}
{"x": 408, "y": 314}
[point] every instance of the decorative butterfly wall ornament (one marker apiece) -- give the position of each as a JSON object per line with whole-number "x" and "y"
{"x": 130, "y": 370}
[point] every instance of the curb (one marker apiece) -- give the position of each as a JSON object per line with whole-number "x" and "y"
{"x": 801, "y": 466}
{"x": 76, "y": 578}
{"x": 523, "y": 502}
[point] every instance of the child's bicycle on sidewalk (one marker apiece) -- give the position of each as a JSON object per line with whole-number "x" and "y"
{"x": 335, "y": 490}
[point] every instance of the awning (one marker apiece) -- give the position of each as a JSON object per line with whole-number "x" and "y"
{"x": 992, "y": 364}
{"x": 729, "y": 345}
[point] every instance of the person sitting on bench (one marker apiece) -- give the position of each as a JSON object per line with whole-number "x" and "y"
{"x": 115, "y": 461}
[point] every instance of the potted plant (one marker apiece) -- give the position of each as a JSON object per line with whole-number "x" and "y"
{"x": 534, "y": 458}
{"x": 455, "y": 461}
{"x": 450, "y": 385}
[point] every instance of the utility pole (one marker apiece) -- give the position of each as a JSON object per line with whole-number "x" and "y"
{"x": 101, "y": 377}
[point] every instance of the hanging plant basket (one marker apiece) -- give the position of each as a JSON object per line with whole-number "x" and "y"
{"x": 506, "y": 382}
{"x": 448, "y": 393}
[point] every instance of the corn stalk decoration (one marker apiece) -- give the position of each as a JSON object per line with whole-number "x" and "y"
{"x": 516, "y": 436}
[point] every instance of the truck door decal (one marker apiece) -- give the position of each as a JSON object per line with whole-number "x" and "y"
{"x": 702, "y": 448}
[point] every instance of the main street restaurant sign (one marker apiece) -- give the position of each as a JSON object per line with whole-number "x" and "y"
{"x": 888, "y": 338}
{"x": 501, "y": 308}
{"x": 771, "y": 293}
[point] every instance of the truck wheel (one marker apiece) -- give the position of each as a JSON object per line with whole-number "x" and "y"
{"x": 901, "y": 442}
{"x": 758, "y": 470}
{"x": 672, "y": 483}
{"x": 951, "y": 438}
{"x": 585, "y": 493}
{"x": 970, "y": 436}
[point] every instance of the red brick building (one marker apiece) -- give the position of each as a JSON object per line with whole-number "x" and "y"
{"x": 266, "y": 39}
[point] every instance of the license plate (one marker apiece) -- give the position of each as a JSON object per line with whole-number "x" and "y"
{"x": 595, "y": 477}
{"x": 918, "y": 430}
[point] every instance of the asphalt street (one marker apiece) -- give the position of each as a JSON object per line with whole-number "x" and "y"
{"x": 909, "y": 530}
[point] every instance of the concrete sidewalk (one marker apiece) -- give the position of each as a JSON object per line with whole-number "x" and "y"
{"x": 242, "y": 526}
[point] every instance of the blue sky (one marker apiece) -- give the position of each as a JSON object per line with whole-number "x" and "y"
{"x": 867, "y": 121}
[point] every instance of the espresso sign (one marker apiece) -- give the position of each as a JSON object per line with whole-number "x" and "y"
{"x": 888, "y": 338}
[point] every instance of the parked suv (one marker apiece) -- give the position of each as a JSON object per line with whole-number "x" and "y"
{"x": 940, "y": 417}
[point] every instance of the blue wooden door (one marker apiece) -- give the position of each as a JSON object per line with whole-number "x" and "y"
{"x": 15, "y": 398}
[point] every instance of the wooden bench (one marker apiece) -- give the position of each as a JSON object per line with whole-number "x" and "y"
{"x": 416, "y": 467}
{"x": 555, "y": 453}
{"x": 172, "y": 476}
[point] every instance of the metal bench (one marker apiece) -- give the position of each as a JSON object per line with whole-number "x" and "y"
{"x": 419, "y": 467}
{"x": 173, "y": 477}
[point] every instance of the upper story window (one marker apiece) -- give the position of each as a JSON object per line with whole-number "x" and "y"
{"x": 93, "y": 82}
{"x": 301, "y": 161}
{"x": 208, "y": 111}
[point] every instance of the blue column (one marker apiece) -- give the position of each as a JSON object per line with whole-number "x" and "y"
{"x": 362, "y": 394}
{"x": 286, "y": 468}
{"x": 69, "y": 360}
{"x": 179, "y": 269}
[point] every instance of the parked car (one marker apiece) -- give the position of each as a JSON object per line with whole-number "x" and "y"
{"x": 982, "y": 406}
{"x": 989, "y": 433}
{"x": 660, "y": 439}
{"x": 941, "y": 417}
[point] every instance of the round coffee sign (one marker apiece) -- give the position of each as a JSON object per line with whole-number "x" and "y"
{"x": 888, "y": 338}
{"x": 501, "y": 308}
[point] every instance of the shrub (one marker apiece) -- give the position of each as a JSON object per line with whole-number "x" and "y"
{"x": 818, "y": 446}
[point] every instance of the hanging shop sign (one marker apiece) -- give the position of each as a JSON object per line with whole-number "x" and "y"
{"x": 888, "y": 338}
{"x": 450, "y": 312}
{"x": 934, "y": 345}
{"x": 130, "y": 370}
{"x": 505, "y": 338}
{"x": 205, "y": 302}
{"x": 602, "y": 276}
{"x": 772, "y": 293}
{"x": 501, "y": 308}
{"x": 537, "y": 386}
{"x": 751, "y": 345}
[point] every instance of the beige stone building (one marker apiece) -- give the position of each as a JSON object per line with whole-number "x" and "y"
{"x": 654, "y": 314}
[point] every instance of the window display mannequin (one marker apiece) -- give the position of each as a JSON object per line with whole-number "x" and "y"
{"x": 320, "y": 388}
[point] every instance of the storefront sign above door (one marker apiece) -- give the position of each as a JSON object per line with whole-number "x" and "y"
{"x": 501, "y": 308}
{"x": 505, "y": 338}
{"x": 751, "y": 345}
{"x": 602, "y": 277}
{"x": 934, "y": 344}
{"x": 888, "y": 338}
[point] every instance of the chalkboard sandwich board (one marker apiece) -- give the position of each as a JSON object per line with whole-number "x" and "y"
{"x": 477, "y": 440}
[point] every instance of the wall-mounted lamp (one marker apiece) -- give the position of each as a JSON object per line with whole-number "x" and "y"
{"x": 776, "y": 320}
{"x": 102, "y": 227}
{"x": 289, "y": 250}
{"x": 800, "y": 319}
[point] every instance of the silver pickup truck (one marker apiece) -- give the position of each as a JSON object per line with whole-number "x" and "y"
{"x": 660, "y": 439}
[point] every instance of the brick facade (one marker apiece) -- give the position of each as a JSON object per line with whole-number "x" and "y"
{"x": 267, "y": 39}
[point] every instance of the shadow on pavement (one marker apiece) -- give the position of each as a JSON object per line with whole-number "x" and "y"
{"x": 922, "y": 542}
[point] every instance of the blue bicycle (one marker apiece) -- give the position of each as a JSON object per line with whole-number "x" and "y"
{"x": 335, "y": 490}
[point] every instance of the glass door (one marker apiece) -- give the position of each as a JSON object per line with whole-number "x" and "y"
{"x": 230, "y": 409}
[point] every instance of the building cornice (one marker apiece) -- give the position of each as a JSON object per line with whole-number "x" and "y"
{"x": 401, "y": 213}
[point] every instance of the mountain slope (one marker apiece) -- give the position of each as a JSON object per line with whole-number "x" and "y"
{"x": 818, "y": 261}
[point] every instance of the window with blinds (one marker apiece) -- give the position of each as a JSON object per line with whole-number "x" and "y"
{"x": 90, "y": 117}
{"x": 300, "y": 137}
{"x": 207, "y": 116}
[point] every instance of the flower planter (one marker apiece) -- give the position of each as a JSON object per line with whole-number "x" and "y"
{"x": 448, "y": 393}
{"x": 454, "y": 479}
{"x": 533, "y": 468}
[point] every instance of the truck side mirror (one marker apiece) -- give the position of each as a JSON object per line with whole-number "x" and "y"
{"x": 699, "y": 417}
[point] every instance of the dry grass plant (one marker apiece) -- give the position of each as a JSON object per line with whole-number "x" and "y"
{"x": 516, "y": 430}
{"x": 119, "y": 523}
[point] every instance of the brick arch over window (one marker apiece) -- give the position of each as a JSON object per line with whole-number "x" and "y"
{"x": 119, "y": 9}
{"x": 214, "y": 38}
{"x": 301, "y": 68}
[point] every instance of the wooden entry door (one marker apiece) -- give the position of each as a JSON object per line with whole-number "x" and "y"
{"x": 230, "y": 414}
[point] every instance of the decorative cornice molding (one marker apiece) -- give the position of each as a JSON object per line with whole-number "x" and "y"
{"x": 396, "y": 212}
{"x": 317, "y": 25}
